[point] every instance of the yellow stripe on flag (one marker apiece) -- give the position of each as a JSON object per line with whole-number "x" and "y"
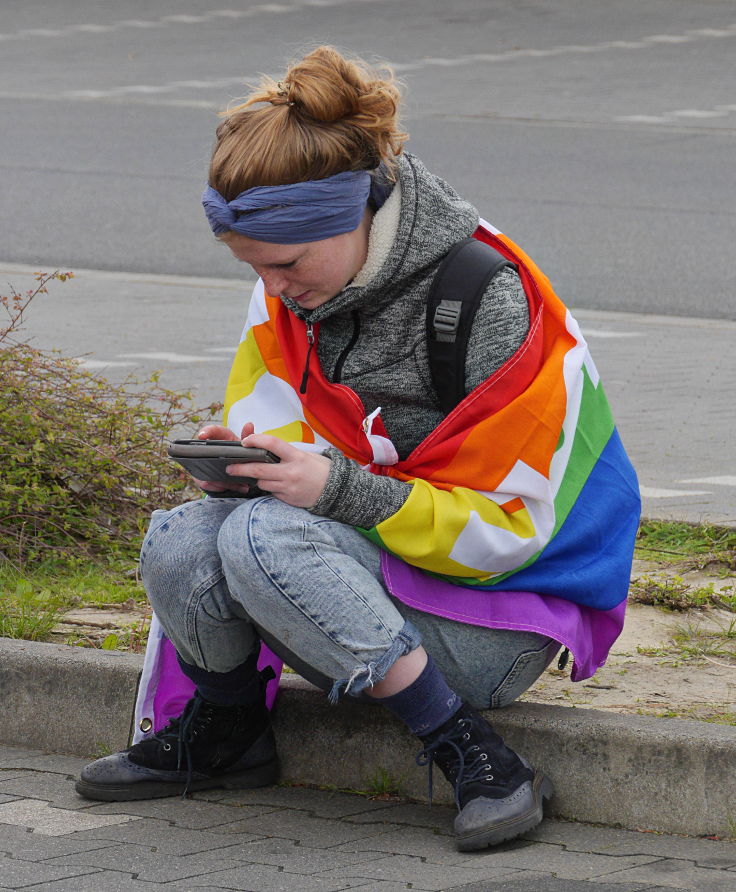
{"x": 247, "y": 368}
{"x": 426, "y": 528}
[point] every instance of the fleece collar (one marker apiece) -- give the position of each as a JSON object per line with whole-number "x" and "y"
{"x": 431, "y": 218}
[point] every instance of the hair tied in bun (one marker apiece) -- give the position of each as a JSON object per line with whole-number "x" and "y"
{"x": 341, "y": 116}
{"x": 282, "y": 91}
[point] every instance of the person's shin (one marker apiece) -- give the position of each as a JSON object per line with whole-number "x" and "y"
{"x": 426, "y": 703}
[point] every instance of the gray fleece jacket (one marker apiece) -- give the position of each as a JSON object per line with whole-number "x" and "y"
{"x": 372, "y": 335}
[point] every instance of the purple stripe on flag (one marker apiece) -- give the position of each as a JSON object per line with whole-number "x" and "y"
{"x": 587, "y": 632}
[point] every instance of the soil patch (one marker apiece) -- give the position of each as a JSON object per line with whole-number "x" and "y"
{"x": 671, "y": 663}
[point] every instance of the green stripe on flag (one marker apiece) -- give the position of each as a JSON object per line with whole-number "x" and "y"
{"x": 594, "y": 428}
{"x": 593, "y": 431}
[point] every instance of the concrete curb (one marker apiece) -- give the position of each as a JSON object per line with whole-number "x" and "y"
{"x": 635, "y": 772}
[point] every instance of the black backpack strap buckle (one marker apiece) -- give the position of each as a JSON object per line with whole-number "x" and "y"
{"x": 446, "y": 320}
{"x": 456, "y": 292}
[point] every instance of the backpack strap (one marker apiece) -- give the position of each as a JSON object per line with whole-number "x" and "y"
{"x": 456, "y": 292}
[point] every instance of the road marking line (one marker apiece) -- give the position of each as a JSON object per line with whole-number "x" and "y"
{"x": 712, "y": 481}
{"x": 714, "y": 32}
{"x": 171, "y": 357}
{"x": 669, "y": 38}
{"x": 698, "y": 113}
{"x": 642, "y": 119}
{"x": 91, "y": 364}
{"x": 300, "y": 5}
{"x": 214, "y": 83}
{"x": 565, "y": 49}
{"x": 602, "y": 333}
{"x": 654, "y": 492}
{"x": 185, "y": 19}
{"x": 182, "y": 19}
{"x": 718, "y": 111}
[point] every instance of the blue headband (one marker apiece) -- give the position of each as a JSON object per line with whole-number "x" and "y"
{"x": 293, "y": 214}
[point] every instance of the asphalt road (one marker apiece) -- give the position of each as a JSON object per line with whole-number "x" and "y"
{"x": 599, "y": 135}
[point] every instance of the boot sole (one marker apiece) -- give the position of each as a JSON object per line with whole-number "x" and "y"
{"x": 501, "y": 832}
{"x": 259, "y": 776}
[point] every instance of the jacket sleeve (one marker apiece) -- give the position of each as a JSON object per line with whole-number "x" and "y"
{"x": 360, "y": 498}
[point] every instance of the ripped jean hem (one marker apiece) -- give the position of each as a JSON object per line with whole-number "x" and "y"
{"x": 408, "y": 639}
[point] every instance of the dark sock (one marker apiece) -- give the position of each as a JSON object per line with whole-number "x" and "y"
{"x": 426, "y": 704}
{"x": 241, "y": 686}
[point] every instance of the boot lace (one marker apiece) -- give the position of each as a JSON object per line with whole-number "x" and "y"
{"x": 196, "y": 717}
{"x": 465, "y": 764}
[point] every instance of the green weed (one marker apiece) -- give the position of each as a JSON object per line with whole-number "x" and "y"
{"x": 700, "y": 544}
{"x": 132, "y": 638}
{"x": 674, "y": 593}
{"x": 83, "y": 459}
{"x": 89, "y": 583}
{"x": 28, "y": 613}
{"x": 708, "y": 643}
{"x": 33, "y": 603}
{"x": 382, "y": 783}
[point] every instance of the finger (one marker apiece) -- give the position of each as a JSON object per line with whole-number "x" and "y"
{"x": 285, "y": 451}
{"x": 216, "y": 432}
{"x": 211, "y": 485}
{"x": 259, "y": 470}
{"x": 248, "y": 429}
{"x": 216, "y": 486}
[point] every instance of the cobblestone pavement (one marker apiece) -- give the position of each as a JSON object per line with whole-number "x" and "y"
{"x": 290, "y": 838}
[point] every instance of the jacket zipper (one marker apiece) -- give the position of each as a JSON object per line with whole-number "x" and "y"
{"x": 310, "y": 341}
{"x": 351, "y": 343}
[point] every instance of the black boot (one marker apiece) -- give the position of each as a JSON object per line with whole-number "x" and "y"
{"x": 208, "y": 746}
{"x": 498, "y": 795}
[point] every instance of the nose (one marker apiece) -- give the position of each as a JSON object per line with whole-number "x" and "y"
{"x": 273, "y": 281}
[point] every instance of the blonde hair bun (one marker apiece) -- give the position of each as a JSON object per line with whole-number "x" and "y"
{"x": 328, "y": 87}
{"x": 326, "y": 115}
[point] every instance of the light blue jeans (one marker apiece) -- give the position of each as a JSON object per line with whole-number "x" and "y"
{"x": 224, "y": 574}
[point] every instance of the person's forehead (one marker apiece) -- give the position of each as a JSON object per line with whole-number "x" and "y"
{"x": 263, "y": 253}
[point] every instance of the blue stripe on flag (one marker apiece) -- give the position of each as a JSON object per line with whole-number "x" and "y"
{"x": 589, "y": 560}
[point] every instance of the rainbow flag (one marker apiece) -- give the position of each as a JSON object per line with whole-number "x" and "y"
{"x": 524, "y": 486}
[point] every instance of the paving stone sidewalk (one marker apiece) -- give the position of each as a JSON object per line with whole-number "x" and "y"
{"x": 285, "y": 839}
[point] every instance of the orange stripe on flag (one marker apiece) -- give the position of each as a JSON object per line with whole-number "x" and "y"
{"x": 514, "y": 505}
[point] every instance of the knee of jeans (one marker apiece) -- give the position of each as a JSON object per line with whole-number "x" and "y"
{"x": 234, "y": 536}
{"x": 157, "y": 546}
{"x": 184, "y": 536}
{"x": 257, "y": 525}
{"x": 369, "y": 674}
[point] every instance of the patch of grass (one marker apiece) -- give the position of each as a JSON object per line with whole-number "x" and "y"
{"x": 103, "y": 749}
{"x": 33, "y": 602}
{"x": 88, "y": 583}
{"x": 698, "y": 643}
{"x": 368, "y": 793}
{"x": 28, "y": 613}
{"x": 713, "y": 644}
{"x": 715, "y": 715}
{"x": 383, "y": 784}
{"x": 674, "y": 593}
{"x": 701, "y": 544}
